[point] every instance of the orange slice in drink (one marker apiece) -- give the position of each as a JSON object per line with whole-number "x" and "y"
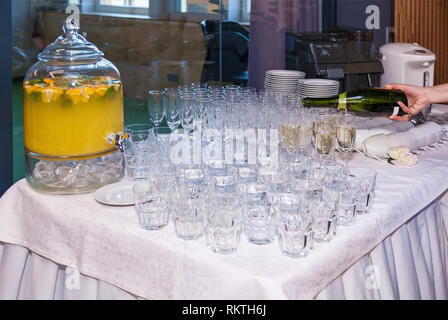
{"x": 49, "y": 95}
{"x": 88, "y": 91}
{"x": 100, "y": 91}
{"x": 29, "y": 89}
{"x": 74, "y": 95}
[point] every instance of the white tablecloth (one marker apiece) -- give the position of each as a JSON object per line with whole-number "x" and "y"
{"x": 106, "y": 243}
{"x": 409, "y": 264}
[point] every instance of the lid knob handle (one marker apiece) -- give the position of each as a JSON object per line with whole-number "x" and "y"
{"x": 71, "y": 26}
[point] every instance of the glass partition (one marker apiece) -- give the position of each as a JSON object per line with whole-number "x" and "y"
{"x": 155, "y": 44}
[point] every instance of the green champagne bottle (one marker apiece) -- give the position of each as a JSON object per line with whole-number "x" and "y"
{"x": 363, "y": 102}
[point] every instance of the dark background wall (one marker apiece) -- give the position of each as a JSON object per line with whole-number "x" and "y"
{"x": 351, "y": 13}
{"x": 6, "y": 96}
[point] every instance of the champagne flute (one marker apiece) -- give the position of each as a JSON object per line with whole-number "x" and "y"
{"x": 289, "y": 130}
{"x": 290, "y": 137}
{"x": 204, "y": 106}
{"x": 346, "y": 134}
{"x": 324, "y": 142}
{"x": 324, "y": 135}
{"x": 188, "y": 109}
{"x": 305, "y": 133}
{"x": 156, "y": 106}
{"x": 172, "y": 109}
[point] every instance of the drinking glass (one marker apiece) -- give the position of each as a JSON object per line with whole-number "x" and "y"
{"x": 324, "y": 132}
{"x": 333, "y": 170}
{"x": 289, "y": 130}
{"x": 190, "y": 215}
{"x": 216, "y": 167}
{"x": 201, "y": 93}
{"x": 221, "y": 110}
{"x": 294, "y": 100}
{"x": 156, "y": 106}
{"x": 346, "y": 134}
{"x": 198, "y": 86}
{"x": 225, "y": 183}
{"x": 223, "y": 223}
{"x": 252, "y": 192}
{"x": 259, "y": 222}
{"x": 189, "y": 221}
{"x": 236, "y": 116}
{"x": 309, "y": 182}
{"x": 171, "y": 89}
{"x": 188, "y": 109}
{"x": 204, "y": 107}
{"x": 305, "y": 134}
{"x": 140, "y": 134}
{"x": 163, "y": 144}
{"x": 151, "y": 205}
{"x": 193, "y": 177}
{"x": 248, "y": 90}
{"x": 247, "y": 173}
{"x": 185, "y": 90}
{"x": 324, "y": 141}
{"x": 279, "y": 182}
{"x": 251, "y": 111}
{"x": 138, "y": 150}
{"x": 172, "y": 109}
{"x": 324, "y": 214}
{"x": 294, "y": 226}
{"x": 348, "y": 202}
{"x": 232, "y": 90}
{"x": 138, "y": 163}
{"x": 369, "y": 177}
{"x": 364, "y": 197}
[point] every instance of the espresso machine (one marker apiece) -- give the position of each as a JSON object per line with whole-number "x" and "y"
{"x": 343, "y": 55}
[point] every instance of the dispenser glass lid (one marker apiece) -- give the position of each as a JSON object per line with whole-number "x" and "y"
{"x": 70, "y": 47}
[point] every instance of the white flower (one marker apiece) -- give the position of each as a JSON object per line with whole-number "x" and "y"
{"x": 398, "y": 152}
{"x": 401, "y": 156}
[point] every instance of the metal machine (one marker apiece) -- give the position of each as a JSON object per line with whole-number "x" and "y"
{"x": 346, "y": 56}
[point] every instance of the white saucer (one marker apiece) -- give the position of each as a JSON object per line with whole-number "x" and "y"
{"x": 282, "y": 82}
{"x": 320, "y": 82}
{"x": 286, "y": 73}
{"x": 116, "y": 194}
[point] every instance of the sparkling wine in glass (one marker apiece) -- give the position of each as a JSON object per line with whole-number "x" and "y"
{"x": 290, "y": 135}
{"x": 346, "y": 134}
{"x": 305, "y": 136}
{"x": 324, "y": 143}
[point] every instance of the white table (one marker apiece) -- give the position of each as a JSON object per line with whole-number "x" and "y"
{"x": 398, "y": 251}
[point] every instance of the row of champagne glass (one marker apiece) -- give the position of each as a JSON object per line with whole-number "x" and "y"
{"x": 217, "y": 107}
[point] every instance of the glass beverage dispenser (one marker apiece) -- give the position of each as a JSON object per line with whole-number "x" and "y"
{"x": 72, "y": 117}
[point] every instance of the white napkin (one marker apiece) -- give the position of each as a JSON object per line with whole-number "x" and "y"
{"x": 414, "y": 138}
{"x": 376, "y": 146}
{"x": 374, "y": 126}
{"x": 439, "y": 109}
{"x": 363, "y": 134}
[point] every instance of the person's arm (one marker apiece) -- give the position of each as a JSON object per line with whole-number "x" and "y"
{"x": 419, "y": 98}
{"x": 439, "y": 94}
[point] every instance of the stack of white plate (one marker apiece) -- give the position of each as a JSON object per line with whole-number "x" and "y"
{"x": 317, "y": 88}
{"x": 284, "y": 81}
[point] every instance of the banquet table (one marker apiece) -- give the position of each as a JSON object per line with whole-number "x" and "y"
{"x": 72, "y": 247}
